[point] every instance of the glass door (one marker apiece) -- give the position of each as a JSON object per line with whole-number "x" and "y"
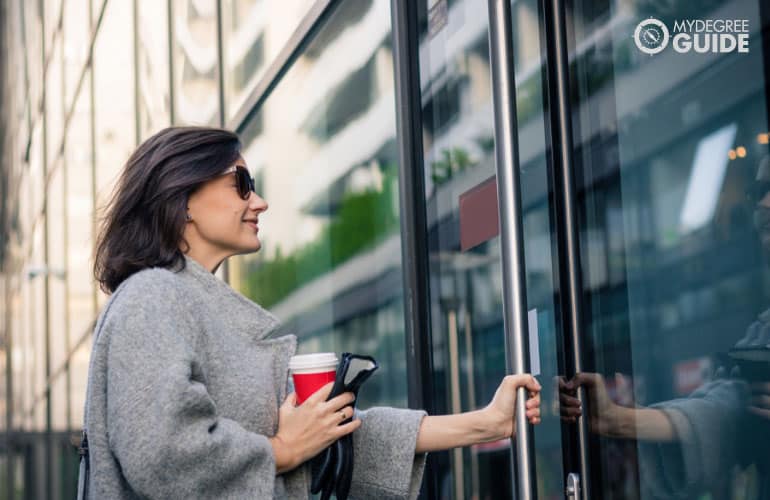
{"x": 466, "y": 284}
{"x": 658, "y": 123}
{"x": 668, "y": 110}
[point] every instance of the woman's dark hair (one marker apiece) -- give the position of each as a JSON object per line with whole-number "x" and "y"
{"x": 144, "y": 220}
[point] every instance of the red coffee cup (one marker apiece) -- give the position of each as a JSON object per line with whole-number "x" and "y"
{"x": 311, "y": 372}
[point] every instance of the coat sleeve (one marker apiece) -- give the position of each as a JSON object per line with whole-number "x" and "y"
{"x": 163, "y": 426}
{"x": 385, "y": 465}
{"x": 706, "y": 426}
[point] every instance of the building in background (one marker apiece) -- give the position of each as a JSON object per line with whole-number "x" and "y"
{"x": 373, "y": 141}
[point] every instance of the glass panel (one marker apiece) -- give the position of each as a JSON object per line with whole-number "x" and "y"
{"x": 77, "y": 36}
{"x": 96, "y": 8}
{"x": 33, "y": 39}
{"x": 57, "y": 290}
{"x": 253, "y": 33}
{"x": 54, "y": 104}
{"x": 113, "y": 95}
{"x": 80, "y": 206}
{"x": 78, "y": 375}
{"x": 669, "y": 138}
{"x": 52, "y": 11}
{"x": 196, "y": 78}
{"x": 70, "y": 465}
{"x": 36, "y": 179}
{"x": 465, "y": 268}
{"x": 55, "y": 271}
{"x": 114, "y": 112}
{"x": 5, "y": 397}
{"x": 154, "y": 99}
{"x": 36, "y": 399}
{"x": 59, "y": 409}
{"x": 24, "y": 401}
{"x": 19, "y": 350}
{"x": 323, "y": 151}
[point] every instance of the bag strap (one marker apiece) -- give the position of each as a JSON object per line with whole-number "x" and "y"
{"x": 83, "y": 448}
{"x": 85, "y": 466}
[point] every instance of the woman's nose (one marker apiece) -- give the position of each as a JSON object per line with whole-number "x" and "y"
{"x": 257, "y": 203}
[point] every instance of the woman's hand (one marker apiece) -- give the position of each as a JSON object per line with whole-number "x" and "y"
{"x": 305, "y": 430}
{"x": 501, "y": 409}
{"x": 605, "y": 415}
{"x": 495, "y": 421}
{"x": 607, "y": 418}
{"x": 569, "y": 406}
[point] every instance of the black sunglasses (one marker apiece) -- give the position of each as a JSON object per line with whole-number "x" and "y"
{"x": 243, "y": 181}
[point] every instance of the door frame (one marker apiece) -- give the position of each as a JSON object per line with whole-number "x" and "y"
{"x": 415, "y": 257}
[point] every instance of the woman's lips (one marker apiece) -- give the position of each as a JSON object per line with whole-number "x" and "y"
{"x": 252, "y": 225}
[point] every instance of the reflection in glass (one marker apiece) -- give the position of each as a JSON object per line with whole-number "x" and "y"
{"x": 57, "y": 289}
{"x": 51, "y": 12}
{"x": 114, "y": 121}
{"x": 80, "y": 240}
{"x": 59, "y": 405}
{"x": 54, "y": 104}
{"x": 254, "y": 32}
{"x": 96, "y": 8}
{"x": 113, "y": 95}
{"x": 154, "y": 104}
{"x": 674, "y": 271}
{"x": 466, "y": 285}
{"x": 33, "y": 39}
{"x": 323, "y": 152}
{"x": 77, "y": 36}
{"x": 79, "y": 372}
{"x": 37, "y": 335}
{"x": 196, "y": 78}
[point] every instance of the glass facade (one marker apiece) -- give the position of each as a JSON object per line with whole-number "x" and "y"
{"x": 323, "y": 152}
{"x": 667, "y": 156}
{"x": 251, "y": 39}
{"x": 195, "y": 62}
{"x": 676, "y": 269}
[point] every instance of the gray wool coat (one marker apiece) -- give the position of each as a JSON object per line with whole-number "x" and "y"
{"x": 184, "y": 388}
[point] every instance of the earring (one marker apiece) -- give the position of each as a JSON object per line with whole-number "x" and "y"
{"x": 188, "y": 217}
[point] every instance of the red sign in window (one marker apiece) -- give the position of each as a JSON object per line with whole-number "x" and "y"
{"x": 479, "y": 218}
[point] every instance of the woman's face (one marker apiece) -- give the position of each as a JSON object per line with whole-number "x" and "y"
{"x": 223, "y": 223}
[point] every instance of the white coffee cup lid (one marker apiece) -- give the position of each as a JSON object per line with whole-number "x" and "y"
{"x": 315, "y": 360}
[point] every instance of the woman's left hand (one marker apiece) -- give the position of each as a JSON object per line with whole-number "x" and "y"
{"x": 503, "y": 406}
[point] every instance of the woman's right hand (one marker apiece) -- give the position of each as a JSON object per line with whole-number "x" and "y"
{"x": 305, "y": 430}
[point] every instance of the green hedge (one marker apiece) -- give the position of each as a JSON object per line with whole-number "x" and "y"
{"x": 361, "y": 222}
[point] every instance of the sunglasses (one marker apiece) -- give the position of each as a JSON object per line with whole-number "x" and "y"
{"x": 756, "y": 191}
{"x": 244, "y": 182}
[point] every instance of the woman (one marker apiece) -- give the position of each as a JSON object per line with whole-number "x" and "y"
{"x": 187, "y": 396}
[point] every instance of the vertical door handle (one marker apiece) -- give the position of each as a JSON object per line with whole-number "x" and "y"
{"x": 511, "y": 236}
{"x": 566, "y": 217}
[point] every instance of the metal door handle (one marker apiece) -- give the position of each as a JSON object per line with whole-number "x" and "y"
{"x": 511, "y": 236}
{"x": 573, "y": 486}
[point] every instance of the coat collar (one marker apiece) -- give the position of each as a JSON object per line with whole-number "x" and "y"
{"x": 267, "y": 323}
